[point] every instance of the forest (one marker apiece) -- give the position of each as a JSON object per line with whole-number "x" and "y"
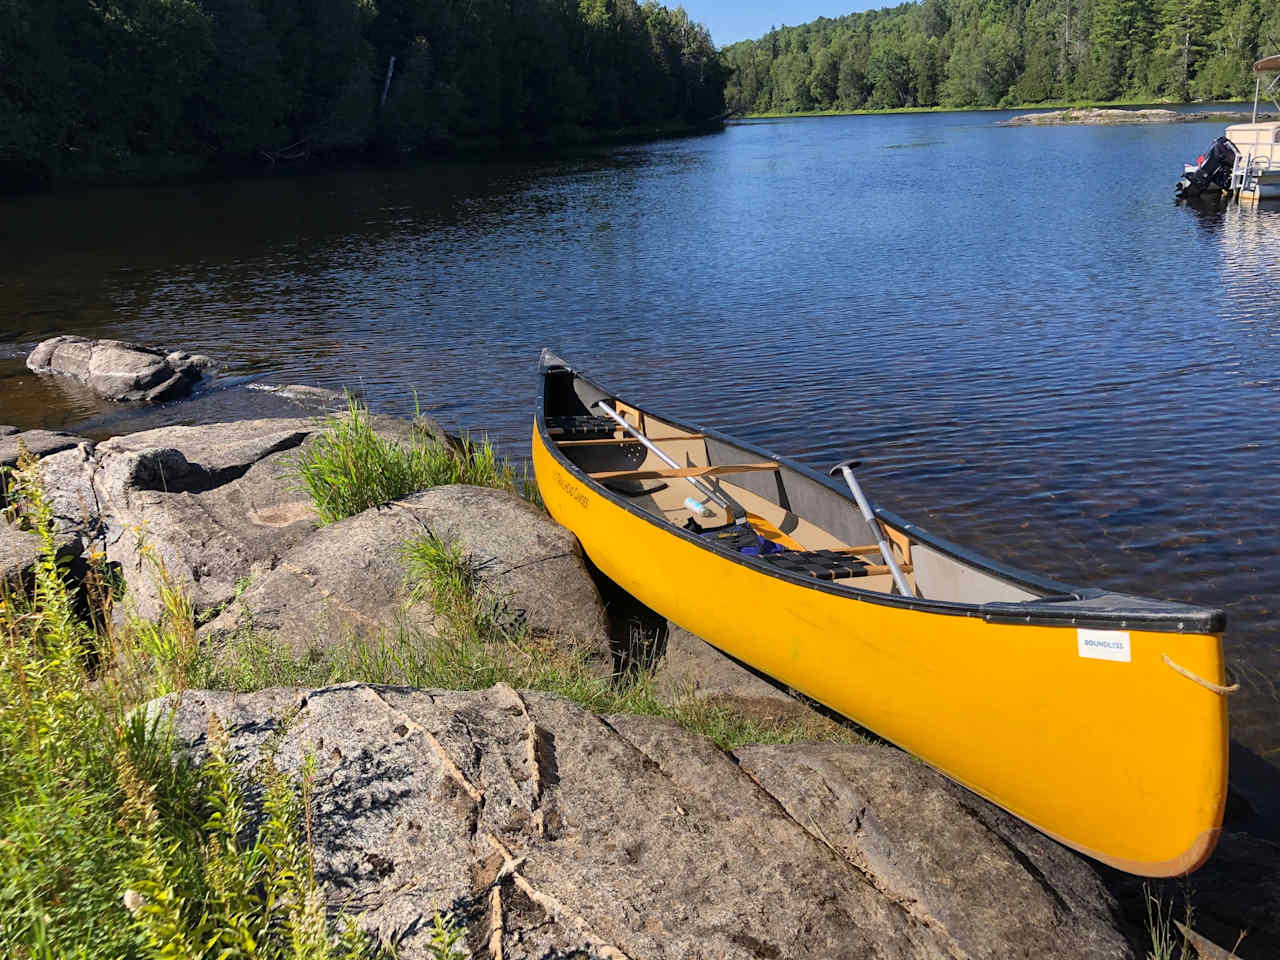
{"x": 116, "y": 90}
{"x": 987, "y": 53}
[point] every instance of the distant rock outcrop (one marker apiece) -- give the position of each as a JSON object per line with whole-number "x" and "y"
{"x": 117, "y": 370}
{"x": 1096, "y": 116}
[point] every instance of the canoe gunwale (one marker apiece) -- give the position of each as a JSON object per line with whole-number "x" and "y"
{"x": 1124, "y": 612}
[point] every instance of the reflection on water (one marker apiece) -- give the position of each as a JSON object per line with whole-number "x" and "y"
{"x": 1034, "y": 350}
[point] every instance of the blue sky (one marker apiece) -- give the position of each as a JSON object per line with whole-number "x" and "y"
{"x": 731, "y": 21}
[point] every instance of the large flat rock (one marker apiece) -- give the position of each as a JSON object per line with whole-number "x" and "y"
{"x": 996, "y": 887}
{"x": 39, "y": 443}
{"x": 204, "y": 503}
{"x": 547, "y": 831}
{"x": 348, "y": 579}
{"x": 217, "y": 504}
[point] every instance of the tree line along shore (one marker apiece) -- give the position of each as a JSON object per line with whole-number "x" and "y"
{"x": 138, "y": 90}
{"x": 127, "y": 90}
{"x": 964, "y": 53}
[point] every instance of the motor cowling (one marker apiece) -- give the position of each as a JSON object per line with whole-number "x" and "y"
{"x": 1214, "y": 170}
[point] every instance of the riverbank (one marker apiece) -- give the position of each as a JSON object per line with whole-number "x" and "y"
{"x": 480, "y": 743}
{"x": 393, "y": 662}
{"x": 1061, "y": 105}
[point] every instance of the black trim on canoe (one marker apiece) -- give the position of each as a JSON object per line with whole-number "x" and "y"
{"x": 1063, "y": 605}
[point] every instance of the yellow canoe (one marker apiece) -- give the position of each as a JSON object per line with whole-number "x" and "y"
{"x": 1098, "y": 718}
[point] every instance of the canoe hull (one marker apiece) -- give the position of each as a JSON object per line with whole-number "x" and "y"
{"x": 1123, "y": 761}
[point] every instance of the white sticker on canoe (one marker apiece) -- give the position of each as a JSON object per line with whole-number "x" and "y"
{"x": 1103, "y": 644}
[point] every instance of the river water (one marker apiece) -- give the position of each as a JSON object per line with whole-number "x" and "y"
{"x": 1034, "y": 350}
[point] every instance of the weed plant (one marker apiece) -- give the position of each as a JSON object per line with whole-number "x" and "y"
{"x": 350, "y": 468}
{"x": 1167, "y": 943}
{"x": 110, "y": 847}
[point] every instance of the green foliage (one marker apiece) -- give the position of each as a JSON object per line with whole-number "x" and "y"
{"x": 350, "y": 468}
{"x": 129, "y": 88}
{"x": 108, "y": 847}
{"x": 962, "y": 53}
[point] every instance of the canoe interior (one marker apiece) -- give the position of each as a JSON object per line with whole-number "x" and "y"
{"x": 783, "y": 504}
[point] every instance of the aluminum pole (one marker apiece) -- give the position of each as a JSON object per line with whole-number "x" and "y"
{"x": 900, "y": 581}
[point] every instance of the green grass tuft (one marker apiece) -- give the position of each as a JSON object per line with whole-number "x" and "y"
{"x": 477, "y": 643}
{"x": 350, "y": 468}
{"x": 1167, "y": 943}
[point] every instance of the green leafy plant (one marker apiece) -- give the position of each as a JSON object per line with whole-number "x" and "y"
{"x": 111, "y": 846}
{"x": 351, "y": 468}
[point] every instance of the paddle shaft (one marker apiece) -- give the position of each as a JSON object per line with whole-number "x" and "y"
{"x": 898, "y": 578}
{"x": 698, "y": 485}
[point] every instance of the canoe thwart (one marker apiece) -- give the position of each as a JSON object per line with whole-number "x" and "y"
{"x": 659, "y": 474}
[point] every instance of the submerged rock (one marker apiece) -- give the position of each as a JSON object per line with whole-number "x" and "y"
{"x": 549, "y": 831}
{"x": 117, "y": 370}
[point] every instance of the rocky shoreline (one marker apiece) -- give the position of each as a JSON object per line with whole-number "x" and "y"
{"x": 546, "y": 829}
{"x": 1096, "y": 116}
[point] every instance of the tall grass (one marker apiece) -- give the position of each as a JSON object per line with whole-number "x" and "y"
{"x": 1167, "y": 943}
{"x": 110, "y": 847}
{"x": 350, "y": 468}
{"x": 477, "y": 643}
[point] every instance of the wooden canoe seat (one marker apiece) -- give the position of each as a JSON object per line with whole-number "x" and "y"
{"x": 665, "y": 472}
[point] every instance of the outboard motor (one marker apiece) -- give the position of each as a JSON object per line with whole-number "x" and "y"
{"x": 1214, "y": 171}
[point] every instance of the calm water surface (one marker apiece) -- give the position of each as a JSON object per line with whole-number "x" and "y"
{"x": 1035, "y": 351}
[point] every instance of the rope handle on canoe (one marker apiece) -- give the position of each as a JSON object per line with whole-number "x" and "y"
{"x": 1207, "y": 684}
